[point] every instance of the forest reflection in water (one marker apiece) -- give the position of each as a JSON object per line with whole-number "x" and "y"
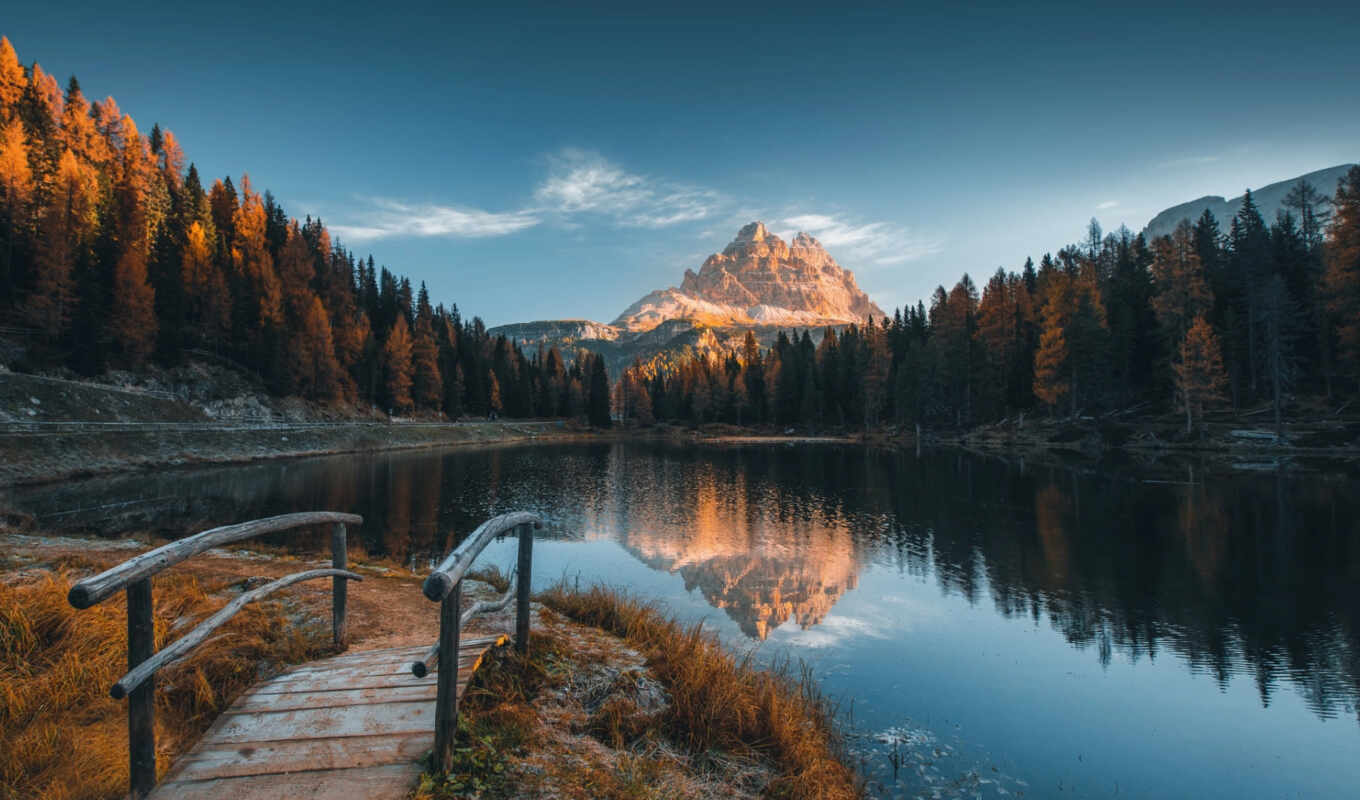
{"x": 1251, "y": 575}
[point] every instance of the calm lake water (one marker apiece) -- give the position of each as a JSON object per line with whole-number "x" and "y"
{"x": 1005, "y": 630}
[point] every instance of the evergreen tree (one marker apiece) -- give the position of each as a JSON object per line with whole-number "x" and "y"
{"x": 599, "y": 394}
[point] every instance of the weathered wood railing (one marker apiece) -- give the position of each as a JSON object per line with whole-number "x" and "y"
{"x": 445, "y": 586}
{"x": 134, "y": 575}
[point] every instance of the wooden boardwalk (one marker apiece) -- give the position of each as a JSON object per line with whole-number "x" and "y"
{"x": 350, "y": 726}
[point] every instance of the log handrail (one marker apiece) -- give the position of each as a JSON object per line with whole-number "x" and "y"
{"x": 451, "y": 570}
{"x": 134, "y": 575}
{"x": 445, "y": 586}
{"x": 421, "y": 668}
{"x": 99, "y": 587}
{"x": 180, "y": 648}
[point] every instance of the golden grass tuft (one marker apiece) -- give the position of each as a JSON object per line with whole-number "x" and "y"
{"x": 493, "y": 575}
{"x": 721, "y": 702}
{"x": 62, "y": 737}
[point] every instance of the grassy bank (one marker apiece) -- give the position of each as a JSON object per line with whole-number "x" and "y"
{"x": 61, "y": 736}
{"x": 615, "y": 700}
{"x": 722, "y": 702}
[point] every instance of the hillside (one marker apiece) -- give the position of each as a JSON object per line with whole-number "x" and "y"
{"x": 1269, "y": 200}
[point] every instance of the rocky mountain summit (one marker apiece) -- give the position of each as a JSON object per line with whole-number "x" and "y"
{"x": 758, "y": 279}
{"x": 758, "y": 282}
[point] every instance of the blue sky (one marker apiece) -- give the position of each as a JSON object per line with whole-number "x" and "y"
{"x": 562, "y": 161}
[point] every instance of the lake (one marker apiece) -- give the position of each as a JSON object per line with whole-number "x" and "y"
{"x": 990, "y": 628}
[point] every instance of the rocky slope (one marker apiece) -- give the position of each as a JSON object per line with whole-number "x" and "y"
{"x": 758, "y": 283}
{"x": 1269, "y": 199}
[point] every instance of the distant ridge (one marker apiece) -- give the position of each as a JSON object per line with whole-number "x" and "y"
{"x": 1269, "y": 199}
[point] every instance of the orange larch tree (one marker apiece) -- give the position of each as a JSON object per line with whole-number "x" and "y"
{"x": 396, "y": 358}
{"x": 12, "y": 79}
{"x": 67, "y": 225}
{"x": 133, "y": 318}
{"x": 1341, "y": 282}
{"x": 1200, "y": 377}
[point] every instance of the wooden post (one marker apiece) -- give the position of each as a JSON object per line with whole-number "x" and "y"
{"x": 339, "y": 585}
{"x": 142, "y": 700}
{"x": 446, "y": 703}
{"x": 526, "y": 559}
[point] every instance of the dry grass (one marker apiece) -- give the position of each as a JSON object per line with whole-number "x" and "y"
{"x": 721, "y": 702}
{"x": 61, "y": 735}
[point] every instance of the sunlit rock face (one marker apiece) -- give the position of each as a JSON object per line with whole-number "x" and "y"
{"x": 758, "y": 283}
{"x": 758, "y": 279}
{"x": 761, "y": 571}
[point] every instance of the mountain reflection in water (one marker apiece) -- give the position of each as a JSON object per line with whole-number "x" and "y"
{"x": 1253, "y": 575}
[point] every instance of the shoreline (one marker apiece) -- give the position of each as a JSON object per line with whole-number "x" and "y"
{"x": 29, "y": 457}
{"x": 33, "y": 454}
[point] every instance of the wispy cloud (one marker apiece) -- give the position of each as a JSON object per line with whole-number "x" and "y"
{"x": 583, "y": 182}
{"x": 395, "y": 218}
{"x": 833, "y": 631}
{"x": 882, "y": 243}
{"x": 1108, "y": 204}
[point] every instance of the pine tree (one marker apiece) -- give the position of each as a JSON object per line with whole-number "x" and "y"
{"x": 16, "y": 190}
{"x": 429, "y": 384}
{"x": 1050, "y": 385}
{"x": 1341, "y": 283}
{"x": 396, "y": 361}
{"x": 494, "y": 404}
{"x": 598, "y": 402}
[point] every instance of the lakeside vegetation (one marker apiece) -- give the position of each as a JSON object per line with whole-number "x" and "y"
{"x": 698, "y": 722}
{"x": 61, "y": 735}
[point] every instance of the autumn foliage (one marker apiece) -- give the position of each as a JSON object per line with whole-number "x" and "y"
{"x": 114, "y": 253}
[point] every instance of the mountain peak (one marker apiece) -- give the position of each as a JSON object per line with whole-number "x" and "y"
{"x": 759, "y": 280}
{"x": 751, "y": 232}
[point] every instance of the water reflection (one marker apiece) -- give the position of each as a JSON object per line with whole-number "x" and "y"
{"x": 1255, "y": 575}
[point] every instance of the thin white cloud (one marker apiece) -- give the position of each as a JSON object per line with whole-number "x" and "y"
{"x": 881, "y": 243}
{"x": 833, "y": 631}
{"x": 1108, "y": 204}
{"x": 585, "y": 182}
{"x": 395, "y": 218}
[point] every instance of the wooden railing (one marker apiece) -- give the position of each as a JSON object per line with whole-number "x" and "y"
{"x": 445, "y": 586}
{"x": 134, "y": 575}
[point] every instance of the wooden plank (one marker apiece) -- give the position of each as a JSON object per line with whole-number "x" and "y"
{"x": 386, "y": 782}
{"x": 378, "y": 662}
{"x": 305, "y": 755}
{"x": 290, "y": 701}
{"x": 406, "y": 716}
{"x": 398, "y": 673}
